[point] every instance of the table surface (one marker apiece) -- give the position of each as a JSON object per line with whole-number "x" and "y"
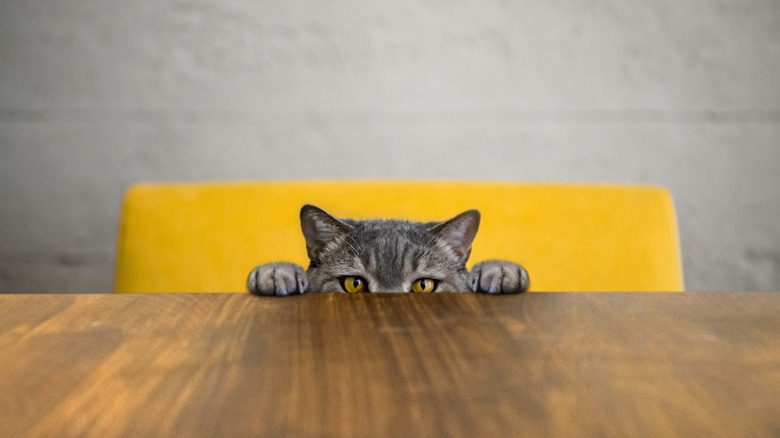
{"x": 552, "y": 364}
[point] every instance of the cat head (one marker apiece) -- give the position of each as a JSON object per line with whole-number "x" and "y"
{"x": 386, "y": 255}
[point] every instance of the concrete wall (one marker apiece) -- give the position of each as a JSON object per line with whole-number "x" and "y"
{"x": 95, "y": 95}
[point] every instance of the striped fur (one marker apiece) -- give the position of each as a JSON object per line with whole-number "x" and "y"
{"x": 390, "y": 255}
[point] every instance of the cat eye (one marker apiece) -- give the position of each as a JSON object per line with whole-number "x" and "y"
{"x": 353, "y": 285}
{"x": 424, "y": 286}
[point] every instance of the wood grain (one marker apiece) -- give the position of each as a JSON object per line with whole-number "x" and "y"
{"x": 627, "y": 364}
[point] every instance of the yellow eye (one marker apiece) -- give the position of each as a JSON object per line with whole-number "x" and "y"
{"x": 424, "y": 286}
{"x": 354, "y": 285}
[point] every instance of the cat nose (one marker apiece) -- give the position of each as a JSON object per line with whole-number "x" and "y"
{"x": 388, "y": 289}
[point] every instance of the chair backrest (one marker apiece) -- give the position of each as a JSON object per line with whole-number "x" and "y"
{"x": 207, "y": 237}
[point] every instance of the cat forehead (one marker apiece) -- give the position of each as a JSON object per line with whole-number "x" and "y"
{"x": 390, "y": 226}
{"x": 392, "y": 249}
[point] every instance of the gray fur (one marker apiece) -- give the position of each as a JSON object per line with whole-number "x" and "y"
{"x": 390, "y": 255}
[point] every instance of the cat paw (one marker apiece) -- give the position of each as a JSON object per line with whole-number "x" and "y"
{"x": 279, "y": 278}
{"x": 498, "y": 277}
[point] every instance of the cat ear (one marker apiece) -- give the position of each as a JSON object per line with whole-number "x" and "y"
{"x": 319, "y": 228}
{"x": 459, "y": 232}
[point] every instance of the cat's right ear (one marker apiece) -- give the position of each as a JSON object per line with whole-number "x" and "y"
{"x": 319, "y": 228}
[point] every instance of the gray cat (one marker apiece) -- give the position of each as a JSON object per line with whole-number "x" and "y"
{"x": 387, "y": 256}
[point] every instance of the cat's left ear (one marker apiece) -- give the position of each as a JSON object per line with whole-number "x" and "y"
{"x": 459, "y": 232}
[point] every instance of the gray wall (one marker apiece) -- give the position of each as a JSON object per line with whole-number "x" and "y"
{"x": 95, "y": 95}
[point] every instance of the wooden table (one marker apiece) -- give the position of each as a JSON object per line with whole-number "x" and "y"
{"x": 544, "y": 364}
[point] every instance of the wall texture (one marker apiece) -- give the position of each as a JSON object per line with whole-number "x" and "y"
{"x": 95, "y": 95}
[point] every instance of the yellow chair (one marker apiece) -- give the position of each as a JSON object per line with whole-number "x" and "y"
{"x": 207, "y": 237}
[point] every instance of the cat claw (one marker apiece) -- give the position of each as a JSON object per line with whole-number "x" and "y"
{"x": 498, "y": 277}
{"x": 279, "y": 278}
